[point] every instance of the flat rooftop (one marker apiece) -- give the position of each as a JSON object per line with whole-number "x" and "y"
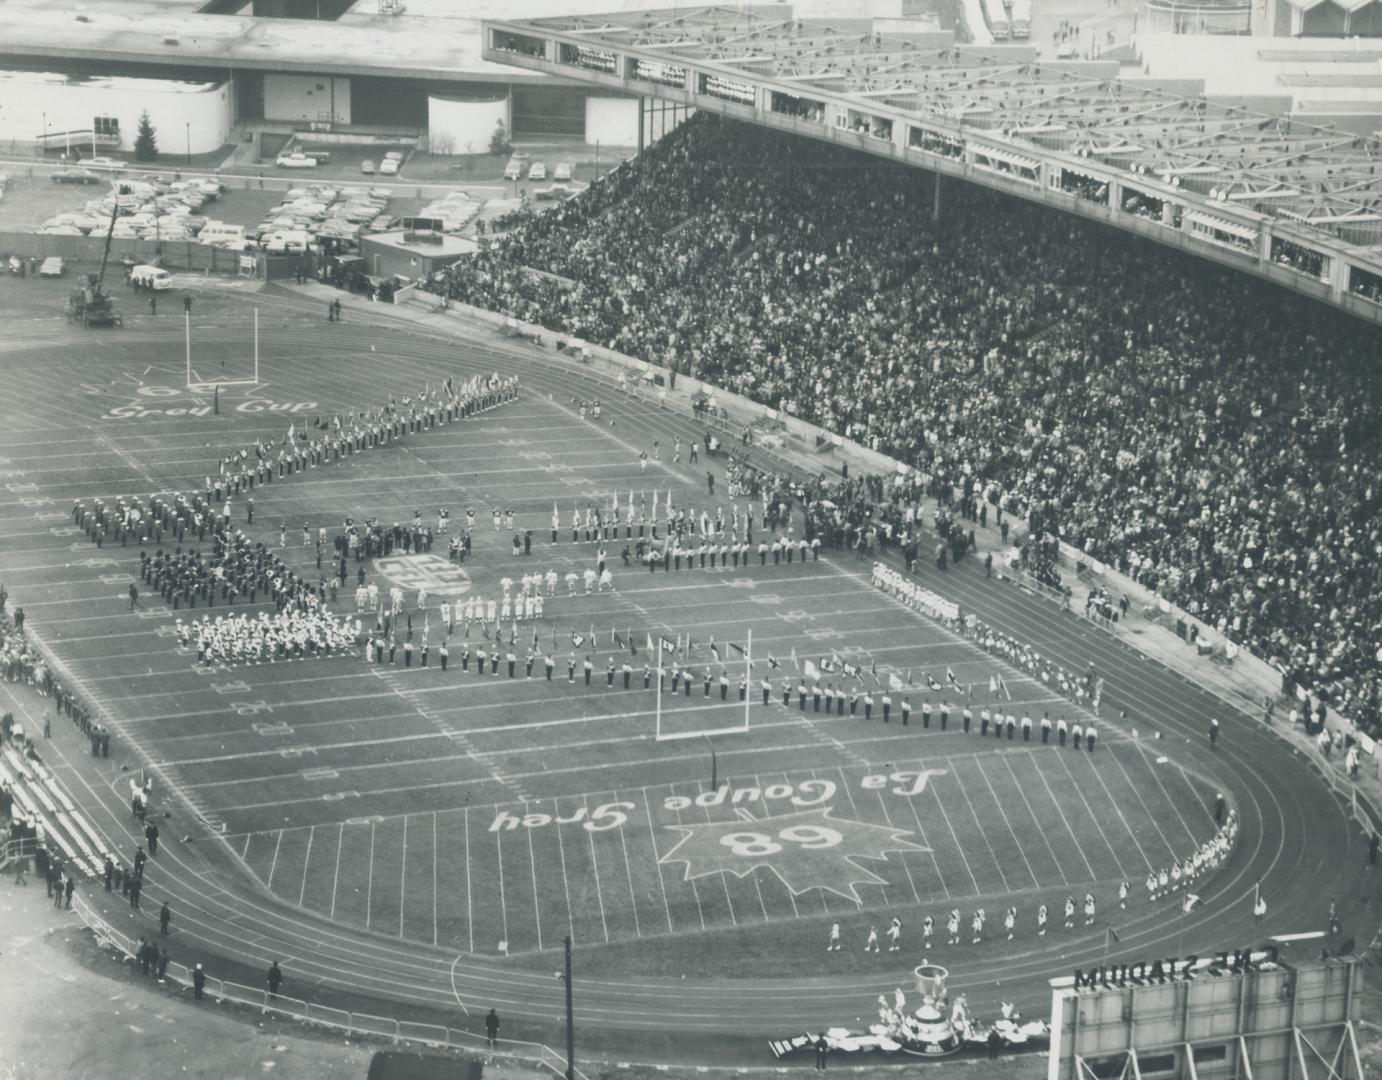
{"x": 36, "y": 80}
{"x": 1314, "y": 175}
{"x": 175, "y": 33}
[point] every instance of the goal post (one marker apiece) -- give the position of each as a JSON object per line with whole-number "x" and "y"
{"x": 199, "y": 385}
{"x": 661, "y": 735}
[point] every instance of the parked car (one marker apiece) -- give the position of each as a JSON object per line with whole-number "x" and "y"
{"x": 513, "y": 170}
{"x": 297, "y": 160}
{"x": 75, "y": 176}
{"x": 151, "y": 277}
{"x": 52, "y": 267}
{"x": 394, "y": 155}
{"x": 389, "y": 167}
{"x": 537, "y": 171}
{"x": 107, "y": 163}
{"x": 564, "y": 171}
{"x": 367, "y": 167}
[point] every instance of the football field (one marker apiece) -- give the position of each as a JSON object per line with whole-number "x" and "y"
{"x": 492, "y": 813}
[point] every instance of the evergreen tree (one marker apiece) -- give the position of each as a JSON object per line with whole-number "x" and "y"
{"x": 145, "y": 142}
{"x": 499, "y": 144}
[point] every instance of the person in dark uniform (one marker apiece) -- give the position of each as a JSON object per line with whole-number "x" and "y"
{"x": 1213, "y": 734}
{"x": 822, "y": 1049}
{"x": 198, "y": 983}
{"x": 491, "y": 1030}
{"x": 165, "y": 916}
{"x": 443, "y": 655}
{"x": 275, "y": 979}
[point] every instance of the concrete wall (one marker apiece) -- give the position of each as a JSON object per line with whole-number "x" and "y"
{"x": 34, "y": 102}
{"x": 459, "y": 125}
{"x": 306, "y": 98}
{"x": 611, "y": 121}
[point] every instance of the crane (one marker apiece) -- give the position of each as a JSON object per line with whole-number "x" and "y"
{"x": 90, "y": 302}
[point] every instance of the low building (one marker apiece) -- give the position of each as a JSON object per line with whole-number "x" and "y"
{"x": 412, "y": 255}
{"x": 98, "y": 114}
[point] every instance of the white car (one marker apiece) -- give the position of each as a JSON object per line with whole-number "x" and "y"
{"x": 537, "y": 171}
{"x": 52, "y": 267}
{"x": 563, "y": 171}
{"x": 297, "y": 160}
{"x": 389, "y": 167}
{"x": 103, "y": 163}
{"x": 381, "y": 193}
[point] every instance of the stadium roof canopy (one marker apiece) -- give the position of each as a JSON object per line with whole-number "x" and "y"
{"x": 1319, "y": 178}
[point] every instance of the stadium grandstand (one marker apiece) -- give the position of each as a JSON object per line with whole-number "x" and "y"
{"x": 933, "y": 342}
{"x": 1255, "y": 189}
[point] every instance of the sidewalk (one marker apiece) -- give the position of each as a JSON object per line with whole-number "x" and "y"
{"x": 72, "y": 1008}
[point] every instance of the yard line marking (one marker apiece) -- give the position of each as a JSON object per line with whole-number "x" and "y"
{"x": 279, "y": 843}
{"x": 723, "y": 875}
{"x": 1090, "y": 811}
{"x": 245, "y": 854}
{"x": 921, "y": 830}
{"x": 953, "y": 836}
{"x": 1118, "y": 806}
{"x": 503, "y": 904}
{"x": 1007, "y": 822}
{"x": 1185, "y": 777}
{"x": 369, "y": 879}
{"x": 335, "y": 880}
{"x": 796, "y": 912}
{"x": 974, "y": 814}
{"x": 302, "y": 892}
{"x": 694, "y": 890}
{"x": 657, "y": 860}
{"x": 901, "y": 855}
{"x": 469, "y": 909}
{"x": 1170, "y": 848}
{"x": 1068, "y": 828}
{"x": 403, "y": 876}
{"x": 595, "y": 866}
{"x": 628, "y": 873}
{"x": 1152, "y": 768}
{"x": 565, "y": 882}
{"x": 854, "y": 810}
{"x": 1065, "y": 879}
{"x": 436, "y": 926}
{"x": 537, "y": 908}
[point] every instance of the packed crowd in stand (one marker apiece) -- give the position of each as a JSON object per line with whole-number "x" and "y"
{"x": 1193, "y": 427}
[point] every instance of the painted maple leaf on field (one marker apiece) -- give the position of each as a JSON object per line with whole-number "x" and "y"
{"x": 806, "y": 850}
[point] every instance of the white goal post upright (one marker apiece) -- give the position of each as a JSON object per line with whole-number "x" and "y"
{"x": 207, "y": 386}
{"x": 665, "y": 736}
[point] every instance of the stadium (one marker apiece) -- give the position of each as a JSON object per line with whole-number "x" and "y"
{"x": 884, "y": 573}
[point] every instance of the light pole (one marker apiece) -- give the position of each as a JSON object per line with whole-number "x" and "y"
{"x": 188, "y": 125}
{"x": 570, "y": 1026}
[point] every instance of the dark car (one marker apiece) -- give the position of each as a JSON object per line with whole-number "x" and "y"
{"x": 76, "y": 176}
